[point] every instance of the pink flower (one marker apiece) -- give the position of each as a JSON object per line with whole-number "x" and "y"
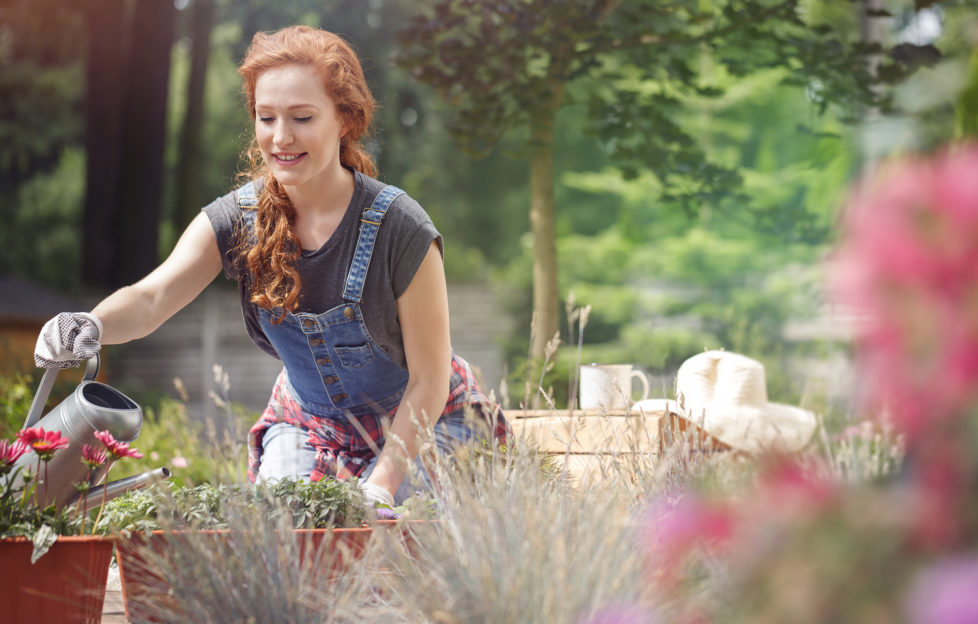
{"x": 118, "y": 450}
{"x": 908, "y": 266}
{"x": 92, "y": 456}
{"x": 945, "y": 593}
{"x": 790, "y": 490}
{"x": 673, "y": 529}
{"x": 621, "y": 614}
{"x": 44, "y": 443}
{"x": 10, "y": 452}
{"x": 179, "y": 462}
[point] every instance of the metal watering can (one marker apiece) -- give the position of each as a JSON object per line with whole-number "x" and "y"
{"x": 93, "y": 406}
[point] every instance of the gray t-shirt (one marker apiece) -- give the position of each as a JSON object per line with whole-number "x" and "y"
{"x": 402, "y": 243}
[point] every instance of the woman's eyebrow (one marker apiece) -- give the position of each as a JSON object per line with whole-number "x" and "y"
{"x": 290, "y": 107}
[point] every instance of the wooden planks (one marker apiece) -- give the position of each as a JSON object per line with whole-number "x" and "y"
{"x": 591, "y": 445}
{"x": 590, "y": 432}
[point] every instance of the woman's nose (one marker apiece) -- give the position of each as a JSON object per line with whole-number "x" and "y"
{"x": 283, "y": 135}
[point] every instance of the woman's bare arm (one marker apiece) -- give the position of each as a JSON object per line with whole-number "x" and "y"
{"x": 137, "y": 310}
{"x": 423, "y": 313}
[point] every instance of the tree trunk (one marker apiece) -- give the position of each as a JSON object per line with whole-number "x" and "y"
{"x": 189, "y": 159}
{"x": 871, "y": 31}
{"x": 144, "y": 140}
{"x": 104, "y": 90}
{"x": 544, "y": 232}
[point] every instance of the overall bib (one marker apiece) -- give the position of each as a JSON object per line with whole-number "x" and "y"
{"x": 338, "y": 386}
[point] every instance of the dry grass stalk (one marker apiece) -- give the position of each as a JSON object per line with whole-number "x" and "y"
{"x": 258, "y": 571}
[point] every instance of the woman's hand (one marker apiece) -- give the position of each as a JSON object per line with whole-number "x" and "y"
{"x": 68, "y": 339}
{"x": 376, "y": 494}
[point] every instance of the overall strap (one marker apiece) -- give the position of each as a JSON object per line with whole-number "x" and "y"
{"x": 370, "y": 222}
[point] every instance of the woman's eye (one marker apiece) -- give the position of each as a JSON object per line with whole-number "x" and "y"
{"x": 303, "y": 119}
{"x": 266, "y": 119}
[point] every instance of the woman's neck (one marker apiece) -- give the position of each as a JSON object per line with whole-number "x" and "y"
{"x": 327, "y": 194}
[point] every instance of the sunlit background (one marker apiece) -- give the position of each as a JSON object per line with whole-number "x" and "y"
{"x": 697, "y": 182}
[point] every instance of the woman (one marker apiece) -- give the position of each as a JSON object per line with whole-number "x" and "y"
{"x": 341, "y": 278}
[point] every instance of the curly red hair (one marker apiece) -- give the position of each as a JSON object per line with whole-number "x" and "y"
{"x": 270, "y": 255}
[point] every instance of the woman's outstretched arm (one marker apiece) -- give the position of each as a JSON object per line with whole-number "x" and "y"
{"x": 137, "y": 310}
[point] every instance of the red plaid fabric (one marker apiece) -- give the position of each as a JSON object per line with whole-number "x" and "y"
{"x": 341, "y": 449}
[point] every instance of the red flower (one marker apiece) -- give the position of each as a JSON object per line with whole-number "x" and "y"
{"x": 92, "y": 456}
{"x": 10, "y": 452}
{"x": 116, "y": 449}
{"x": 44, "y": 443}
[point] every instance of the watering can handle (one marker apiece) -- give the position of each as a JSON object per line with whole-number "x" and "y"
{"x": 47, "y": 382}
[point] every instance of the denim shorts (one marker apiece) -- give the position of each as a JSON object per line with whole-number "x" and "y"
{"x": 288, "y": 455}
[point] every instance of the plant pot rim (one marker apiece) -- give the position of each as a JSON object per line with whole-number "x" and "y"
{"x": 61, "y": 538}
{"x": 121, "y": 536}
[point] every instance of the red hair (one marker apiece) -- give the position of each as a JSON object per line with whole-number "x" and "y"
{"x": 270, "y": 255}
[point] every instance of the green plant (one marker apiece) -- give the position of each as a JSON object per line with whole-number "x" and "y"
{"x": 20, "y": 515}
{"x": 16, "y": 395}
{"x": 21, "y": 511}
{"x": 300, "y": 503}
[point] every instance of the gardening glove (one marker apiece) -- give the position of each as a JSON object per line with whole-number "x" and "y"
{"x": 376, "y": 494}
{"x": 68, "y": 339}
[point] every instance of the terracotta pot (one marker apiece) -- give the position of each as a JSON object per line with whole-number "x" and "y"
{"x": 143, "y": 587}
{"x": 66, "y": 585}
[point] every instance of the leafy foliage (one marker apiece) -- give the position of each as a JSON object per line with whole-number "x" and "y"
{"x": 640, "y": 62}
{"x": 19, "y": 517}
{"x": 40, "y": 86}
{"x": 303, "y": 504}
{"x": 16, "y": 395}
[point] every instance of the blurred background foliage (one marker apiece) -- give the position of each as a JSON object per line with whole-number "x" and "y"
{"x": 663, "y": 279}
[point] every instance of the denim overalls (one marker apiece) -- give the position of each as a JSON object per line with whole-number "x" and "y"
{"x": 335, "y": 373}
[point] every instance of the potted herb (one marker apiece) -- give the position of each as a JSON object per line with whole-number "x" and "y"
{"x": 49, "y": 570}
{"x": 161, "y": 532}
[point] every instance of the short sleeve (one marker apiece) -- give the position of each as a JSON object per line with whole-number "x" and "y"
{"x": 225, "y": 217}
{"x": 412, "y": 233}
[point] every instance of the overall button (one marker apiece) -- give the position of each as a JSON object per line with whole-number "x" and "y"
{"x": 348, "y": 312}
{"x": 337, "y": 398}
{"x": 316, "y": 342}
{"x": 308, "y": 323}
{"x": 322, "y": 361}
{"x": 330, "y": 379}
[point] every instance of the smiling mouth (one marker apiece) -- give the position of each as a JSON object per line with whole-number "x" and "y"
{"x": 288, "y": 158}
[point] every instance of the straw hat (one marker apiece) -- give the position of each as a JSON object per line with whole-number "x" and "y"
{"x": 725, "y": 394}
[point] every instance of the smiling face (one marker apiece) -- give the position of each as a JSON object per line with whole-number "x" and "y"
{"x": 297, "y": 126}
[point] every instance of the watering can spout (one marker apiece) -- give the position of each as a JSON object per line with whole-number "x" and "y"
{"x": 94, "y": 497}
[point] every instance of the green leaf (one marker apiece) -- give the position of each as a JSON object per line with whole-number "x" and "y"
{"x": 44, "y": 538}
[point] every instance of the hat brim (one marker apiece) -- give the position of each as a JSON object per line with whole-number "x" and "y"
{"x": 773, "y": 428}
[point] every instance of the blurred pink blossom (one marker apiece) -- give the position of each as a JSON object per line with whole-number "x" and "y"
{"x": 621, "y": 614}
{"x": 945, "y": 593}
{"x": 908, "y": 266}
{"x": 179, "y": 462}
{"x": 790, "y": 490}
{"x": 673, "y": 528}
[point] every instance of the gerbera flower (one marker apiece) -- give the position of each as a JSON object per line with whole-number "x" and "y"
{"x": 10, "y": 452}
{"x": 93, "y": 457}
{"x": 116, "y": 449}
{"x": 44, "y": 443}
